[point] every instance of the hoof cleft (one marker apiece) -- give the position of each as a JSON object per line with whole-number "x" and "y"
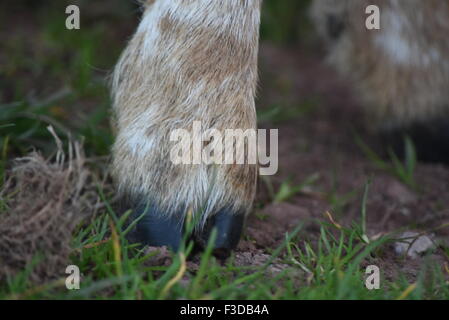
{"x": 157, "y": 228}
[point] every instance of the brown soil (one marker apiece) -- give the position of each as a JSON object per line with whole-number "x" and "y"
{"x": 322, "y": 142}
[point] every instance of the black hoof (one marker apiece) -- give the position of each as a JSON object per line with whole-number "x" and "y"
{"x": 157, "y": 228}
{"x": 430, "y": 139}
{"x": 229, "y": 226}
{"x": 335, "y": 26}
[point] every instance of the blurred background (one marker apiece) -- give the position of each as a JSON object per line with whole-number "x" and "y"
{"x": 49, "y": 74}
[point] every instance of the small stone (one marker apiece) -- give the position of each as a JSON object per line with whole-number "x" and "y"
{"x": 400, "y": 193}
{"x": 413, "y": 244}
{"x": 160, "y": 256}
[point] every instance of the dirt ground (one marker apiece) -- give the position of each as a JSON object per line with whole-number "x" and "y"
{"x": 322, "y": 142}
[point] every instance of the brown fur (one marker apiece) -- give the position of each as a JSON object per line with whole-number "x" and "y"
{"x": 188, "y": 61}
{"x": 402, "y": 70}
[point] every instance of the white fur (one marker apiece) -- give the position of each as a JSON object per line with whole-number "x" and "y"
{"x": 395, "y": 42}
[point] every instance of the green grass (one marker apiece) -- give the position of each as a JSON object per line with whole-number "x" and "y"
{"x": 25, "y": 124}
{"x": 280, "y": 113}
{"x": 329, "y": 267}
{"x": 338, "y": 201}
{"x": 287, "y": 190}
{"x": 285, "y": 22}
{"x": 403, "y": 170}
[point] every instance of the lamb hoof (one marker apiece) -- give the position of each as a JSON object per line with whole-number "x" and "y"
{"x": 157, "y": 228}
{"x": 430, "y": 139}
{"x": 229, "y": 228}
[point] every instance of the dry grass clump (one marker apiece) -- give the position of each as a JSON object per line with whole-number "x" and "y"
{"x": 44, "y": 201}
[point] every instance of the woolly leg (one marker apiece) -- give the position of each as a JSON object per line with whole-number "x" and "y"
{"x": 189, "y": 61}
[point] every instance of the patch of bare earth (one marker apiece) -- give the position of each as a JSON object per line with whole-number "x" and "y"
{"x": 322, "y": 142}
